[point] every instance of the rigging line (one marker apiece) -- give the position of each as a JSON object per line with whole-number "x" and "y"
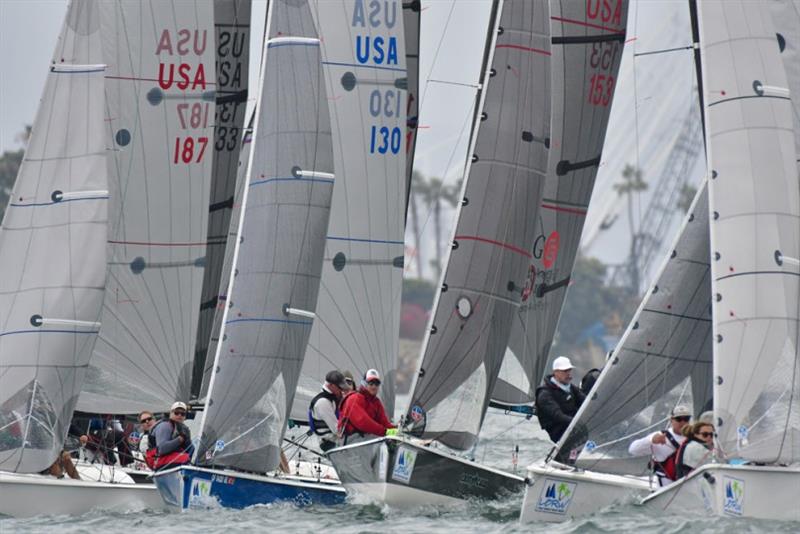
{"x": 636, "y": 129}
{"x": 436, "y": 53}
{"x": 664, "y": 50}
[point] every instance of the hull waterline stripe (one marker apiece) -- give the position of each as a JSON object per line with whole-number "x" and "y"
{"x": 506, "y": 246}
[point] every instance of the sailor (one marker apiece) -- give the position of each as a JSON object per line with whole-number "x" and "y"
{"x": 696, "y": 450}
{"x": 146, "y": 423}
{"x": 662, "y": 446}
{"x": 350, "y": 383}
{"x": 323, "y": 411}
{"x": 170, "y": 440}
{"x": 557, "y": 399}
{"x": 362, "y": 411}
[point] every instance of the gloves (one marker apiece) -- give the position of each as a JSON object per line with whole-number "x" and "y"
{"x": 392, "y": 432}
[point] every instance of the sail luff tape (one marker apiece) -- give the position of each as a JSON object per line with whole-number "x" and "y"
{"x": 45, "y": 321}
{"x": 292, "y": 40}
{"x": 315, "y": 174}
{"x": 61, "y": 67}
{"x": 301, "y": 313}
{"x": 83, "y": 194}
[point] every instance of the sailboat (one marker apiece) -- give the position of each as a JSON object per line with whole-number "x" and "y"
{"x": 587, "y": 50}
{"x": 273, "y": 286}
{"x": 53, "y": 259}
{"x": 482, "y": 284}
{"x": 719, "y": 330}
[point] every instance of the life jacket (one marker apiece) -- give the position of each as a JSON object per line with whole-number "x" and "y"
{"x": 669, "y": 467}
{"x": 156, "y": 462}
{"x": 318, "y": 426}
{"x": 681, "y": 469}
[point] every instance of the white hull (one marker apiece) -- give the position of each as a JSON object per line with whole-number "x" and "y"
{"x": 398, "y": 496}
{"x": 555, "y": 493}
{"x": 32, "y": 495}
{"x": 733, "y": 491}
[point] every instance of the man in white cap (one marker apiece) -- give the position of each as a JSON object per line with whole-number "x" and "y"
{"x": 662, "y": 446}
{"x": 362, "y": 411}
{"x": 557, "y": 399}
{"x": 170, "y": 440}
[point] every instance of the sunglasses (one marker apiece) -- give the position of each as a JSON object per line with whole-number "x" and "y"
{"x": 147, "y": 420}
{"x": 682, "y": 418}
{"x": 374, "y": 383}
{"x": 349, "y": 381}
{"x": 705, "y": 434}
{"x": 180, "y": 412}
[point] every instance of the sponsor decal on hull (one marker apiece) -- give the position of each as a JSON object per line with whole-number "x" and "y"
{"x": 404, "y": 464}
{"x": 200, "y": 492}
{"x": 556, "y": 496}
{"x": 734, "y": 496}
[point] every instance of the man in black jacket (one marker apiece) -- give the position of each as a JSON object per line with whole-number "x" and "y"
{"x": 557, "y": 399}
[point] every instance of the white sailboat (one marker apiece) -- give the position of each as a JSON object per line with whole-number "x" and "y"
{"x": 720, "y": 327}
{"x": 273, "y": 286}
{"x": 53, "y": 259}
{"x": 482, "y": 285}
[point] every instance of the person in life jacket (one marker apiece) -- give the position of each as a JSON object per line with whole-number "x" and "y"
{"x": 557, "y": 399}
{"x": 362, "y": 412}
{"x": 662, "y": 446}
{"x": 147, "y": 422}
{"x": 323, "y": 411}
{"x": 170, "y": 440}
{"x": 697, "y": 449}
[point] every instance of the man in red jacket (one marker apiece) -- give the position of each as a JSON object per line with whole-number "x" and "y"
{"x": 361, "y": 412}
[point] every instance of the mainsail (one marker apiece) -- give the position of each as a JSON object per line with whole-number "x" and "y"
{"x": 588, "y": 41}
{"x": 232, "y": 38}
{"x": 754, "y": 199}
{"x": 358, "y": 313}
{"x": 663, "y": 359}
{"x": 278, "y": 258}
{"x": 160, "y": 103}
{"x": 486, "y": 274}
{"x": 52, "y": 252}
{"x": 786, "y": 16}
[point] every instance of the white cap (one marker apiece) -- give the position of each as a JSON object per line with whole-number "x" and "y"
{"x": 372, "y": 374}
{"x": 176, "y": 405}
{"x": 681, "y": 411}
{"x": 562, "y": 363}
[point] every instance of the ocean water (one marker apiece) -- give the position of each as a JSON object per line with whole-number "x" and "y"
{"x": 500, "y": 435}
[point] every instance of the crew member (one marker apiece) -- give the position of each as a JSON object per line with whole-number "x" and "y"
{"x": 170, "y": 440}
{"x": 362, "y": 411}
{"x": 662, "y": 446}
{"x": 557, "y": 399}
{"x": 323, "y": 411}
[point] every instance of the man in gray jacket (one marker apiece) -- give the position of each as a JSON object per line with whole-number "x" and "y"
{"x": 170, "y": 440}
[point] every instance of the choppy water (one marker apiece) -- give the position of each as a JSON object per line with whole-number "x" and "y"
{"x": 500, "y": 435}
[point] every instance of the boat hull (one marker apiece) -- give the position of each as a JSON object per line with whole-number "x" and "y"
{"x": 403, "y": 472}
{"x": 197, "y": 487}
{"x": 762, "y": 492}
{"x": 33, "y": 495}
{"x": 556, "y": 493}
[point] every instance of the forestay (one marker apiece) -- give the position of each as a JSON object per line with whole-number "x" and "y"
{"x": 411, "y": 26}
{"x": 663, "y": 359}
{"x": 278, "y": 259}
{"x": 52, "y": 252}
{"x": 160, "y": 95}
{"x": 588, "y": 40}
{"x": 232, "y": 40}
{"x": 754, "y": 198}
{"x": 358, "y": 313}
{"x": 486, "y": 274}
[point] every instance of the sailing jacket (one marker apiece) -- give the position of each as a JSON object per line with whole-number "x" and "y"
{"x": 363, "y": 413}
{"x": 555, "y": 408}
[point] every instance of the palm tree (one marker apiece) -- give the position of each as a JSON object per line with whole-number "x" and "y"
{"x": 417, "y": 184}
{"x": 632, "y": 182}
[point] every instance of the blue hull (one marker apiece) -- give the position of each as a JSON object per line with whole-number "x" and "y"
{"x": 197, "y": 487}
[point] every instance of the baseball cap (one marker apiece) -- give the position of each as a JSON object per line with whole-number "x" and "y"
{"x": 336, "y": 378}
{"x": 562, "y": 363}
{"x": 372, "y": 374}
{"x": 681, "y": 411}
{"x": 176, "y": 405}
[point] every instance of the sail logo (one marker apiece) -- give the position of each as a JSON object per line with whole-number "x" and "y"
{"x": 734, "y": 496}
{"x": 556, "y": 496}
{"x": 404, "y": 465}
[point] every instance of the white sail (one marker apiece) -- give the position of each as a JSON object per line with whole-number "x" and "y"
{"x": 232, "y": 40}
{"x": 786, "y": 16}
{"x": 486, "y": 274}
{"x": 160, "y": 87}
{"x": 278, "y": 258}
{"x": 663, "y": 359}
{"x": 754, "y": 201}
{"x": 358, "y": 313}
{"x": 52, "y": 252}
{"x": 588, "y": 41}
